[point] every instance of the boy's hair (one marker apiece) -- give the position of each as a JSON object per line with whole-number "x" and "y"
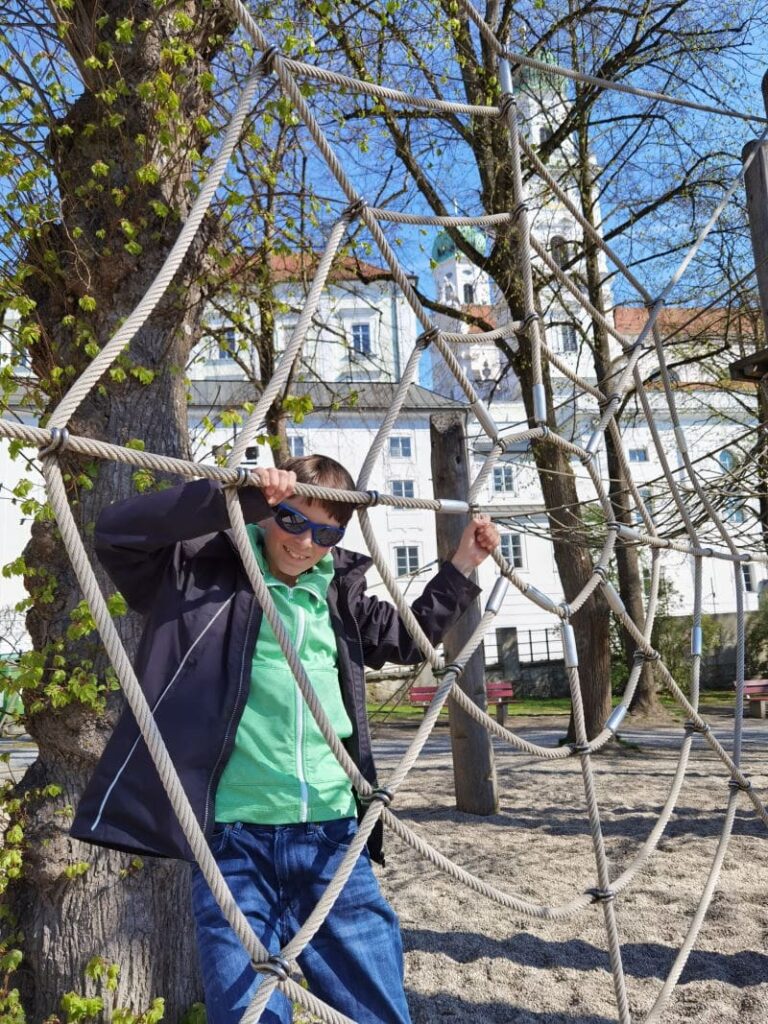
{"x": 324, "y": 472}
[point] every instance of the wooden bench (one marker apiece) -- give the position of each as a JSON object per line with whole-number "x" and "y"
{"x": 756, "y": 695}
{"x": 500, "y": 692}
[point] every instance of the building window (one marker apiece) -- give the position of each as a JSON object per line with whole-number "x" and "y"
{"x": 512, "y": 549}
{"x": 296, "y": 445}
{"x": 749, "y": 581}
{"x": 503, "y": 478}
{"x": 251, "y": 456}
{"x": 402, "y": 489}
{"x": 361, "y": 339}
{"x": 545, "y": 134}
{"x": 469, "y": 294}
{"x": 734, "y": 511}
{"x": 400, "y": 447}
{"x": 226, "y": 346}
{"x": 406, "y": 560}
{"x": 638, "y": 454}
{"x": 568, "y": 340}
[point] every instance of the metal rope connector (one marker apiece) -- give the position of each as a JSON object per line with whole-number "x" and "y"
{"x": 565, "y": 610}
{"x": 690, "y": 727}
{"x": 58, "y": 442}
{"x": 267, "y": 61}
{"x": 641, "y": 655}
{"x": 580, "y": 748}
{"x": 453, "y": 667}
{"x": 243, "y": 477}
{"x": 354, "y": 209}
{"x": 381, "y": 793}
{"x": 601, "y": 571}
{"x": 276, "y": 965}
{"x": 518, "y": 211}
{"x": 426, "y": 338}
{"x": 507, "y": 100}
{"x": 745, "y": 787}
{"x": 601, "y": 895}
{"x": 373, "y": 498}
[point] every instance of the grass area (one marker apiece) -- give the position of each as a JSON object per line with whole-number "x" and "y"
{"x": 717, "y": 700}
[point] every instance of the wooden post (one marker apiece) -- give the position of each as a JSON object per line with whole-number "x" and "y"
{"x": 756, "y": 183}
{"x": 474, "y": 772}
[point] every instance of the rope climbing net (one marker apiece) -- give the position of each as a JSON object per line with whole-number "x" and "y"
{"x": 55, "y": 438}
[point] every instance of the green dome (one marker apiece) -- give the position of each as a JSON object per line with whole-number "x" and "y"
{"x": 443, "y": 248}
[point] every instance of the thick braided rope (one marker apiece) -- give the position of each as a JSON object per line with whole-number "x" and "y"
{"x": 607, "y": 418}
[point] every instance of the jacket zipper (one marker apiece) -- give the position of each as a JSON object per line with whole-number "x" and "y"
{"x": 154, "y": 708}
{"x": 240, "y": 700}
{"x": 298, "y": 642}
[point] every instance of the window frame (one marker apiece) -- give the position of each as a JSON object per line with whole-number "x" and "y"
{"x": 410, "y": 550}
{"x": 508, "y": 471}
{"x": 400, "y": 438}
{"x": 406, "y": 481}
{"x": 517, "y": 559}
{"x": 361, "y": 329}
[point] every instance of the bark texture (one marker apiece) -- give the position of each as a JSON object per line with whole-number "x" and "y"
{"x": 86, "y": 272}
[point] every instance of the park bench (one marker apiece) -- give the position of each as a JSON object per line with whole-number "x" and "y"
{"x": 500, "y": 692}
{"x": 756, "y": 696}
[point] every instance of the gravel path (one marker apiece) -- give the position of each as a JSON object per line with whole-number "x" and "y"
{"x": 470, "y": 960}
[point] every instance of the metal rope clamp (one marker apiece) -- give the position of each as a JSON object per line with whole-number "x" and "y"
{"x": 580, "y": 748}
{"x": 426, "y": 338}
{"x": 58, "y": 442}
{"x": 507, "y": 100}
{"x": 601, "y": 895}
{"x": 745, "y": 787}
{"x": 691, "y": 727}
{"x": 267, "y": 61}
{"x": 276, "y": 965}
{"x": 381, "y": 793}
{"x": 243, "y": 477}
{"x": 355, "y": 209}
{"x": 373, "y": 499}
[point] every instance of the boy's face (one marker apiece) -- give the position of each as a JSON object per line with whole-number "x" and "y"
{"x": 291, "y": 554}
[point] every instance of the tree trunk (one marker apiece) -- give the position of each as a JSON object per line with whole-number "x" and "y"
{"x": 474, "y": 771}
{"x": 124, "y": 218}
{"x": 631, "y": 588}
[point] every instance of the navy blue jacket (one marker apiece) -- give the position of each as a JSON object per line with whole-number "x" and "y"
{"x": 174, "y": 560}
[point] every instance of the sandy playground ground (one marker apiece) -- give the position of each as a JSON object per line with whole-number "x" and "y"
{"x": 470, "y": 960}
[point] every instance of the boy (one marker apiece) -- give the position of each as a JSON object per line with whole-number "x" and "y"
{"x": 274, "y": 803}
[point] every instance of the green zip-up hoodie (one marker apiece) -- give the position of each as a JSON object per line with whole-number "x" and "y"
{"x": 281, "y": 770}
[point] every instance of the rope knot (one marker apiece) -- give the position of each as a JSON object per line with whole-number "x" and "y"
{"x": 276, "y": 965}
{"x": 58, "y": 442}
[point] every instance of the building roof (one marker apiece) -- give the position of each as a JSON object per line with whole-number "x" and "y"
{"x": 302, "y": 266}
{"x": 344, "y": 397}
{"x": 689, "y": 321}
{"x": 444, "y": 247}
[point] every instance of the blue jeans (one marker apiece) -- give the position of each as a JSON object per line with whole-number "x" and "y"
{"x": 277, "y": 874}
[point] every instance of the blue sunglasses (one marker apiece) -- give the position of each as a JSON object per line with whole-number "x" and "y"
{"x": 293, "y": 521}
